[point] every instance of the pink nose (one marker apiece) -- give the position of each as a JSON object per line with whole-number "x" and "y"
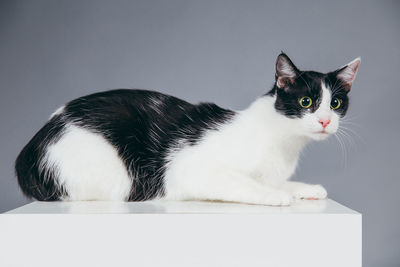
{"x": 324, "y": 122}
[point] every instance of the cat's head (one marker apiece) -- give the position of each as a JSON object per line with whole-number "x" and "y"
{"x": 314, "y": 101}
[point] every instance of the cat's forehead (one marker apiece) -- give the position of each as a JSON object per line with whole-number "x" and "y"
{"x": 313, "y": 82}
{"x": 310, "y": 80}
{"x": 307, "y": 83}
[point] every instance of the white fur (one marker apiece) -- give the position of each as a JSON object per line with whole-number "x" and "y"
{"x": 250, "y": 159}
{"x": 89, "y": 167}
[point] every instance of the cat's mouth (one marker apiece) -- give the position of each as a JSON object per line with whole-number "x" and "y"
{"x": 321, "y": 132}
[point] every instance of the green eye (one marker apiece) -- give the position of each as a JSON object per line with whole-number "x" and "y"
{"x": 336, "y": 103}
{"x": 305, "y": 102}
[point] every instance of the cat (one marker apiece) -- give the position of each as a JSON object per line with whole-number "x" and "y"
{"x": 136, "y": 145}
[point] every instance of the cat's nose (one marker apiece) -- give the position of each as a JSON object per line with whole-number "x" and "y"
{"x": 324, "y": 122}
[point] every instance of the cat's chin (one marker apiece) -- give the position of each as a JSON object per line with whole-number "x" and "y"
{"x": 318, "y": 136}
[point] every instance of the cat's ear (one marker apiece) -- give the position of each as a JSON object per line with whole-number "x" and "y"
{"x": 285, "y": 71}
{"x": 348, "y": 73}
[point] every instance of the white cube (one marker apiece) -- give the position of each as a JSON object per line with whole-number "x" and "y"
{"x": 320, "y": 233}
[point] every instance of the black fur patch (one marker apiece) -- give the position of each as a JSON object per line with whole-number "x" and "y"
{"x": 142, "y": 125}
{"x": 338, "y": 90}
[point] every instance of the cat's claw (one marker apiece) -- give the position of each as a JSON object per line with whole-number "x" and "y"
{"x": 310, "y": 192}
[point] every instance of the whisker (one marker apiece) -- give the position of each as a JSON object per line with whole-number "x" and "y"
{"x": 341, "y": 148}
{"x": 353, "y": 134}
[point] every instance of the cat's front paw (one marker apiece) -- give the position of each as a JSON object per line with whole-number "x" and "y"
{"x": 307, "y": 191}
{"x": 278, "y": 198}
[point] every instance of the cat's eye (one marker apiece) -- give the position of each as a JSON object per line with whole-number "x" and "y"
{"x": 336, "y": 103}
{"x": 305, "y": 102}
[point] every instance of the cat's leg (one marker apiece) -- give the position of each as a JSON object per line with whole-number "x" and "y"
{"x": 246, "y": 190}
{"x": 304, "y": 191}
{"x": 230, "y": 188}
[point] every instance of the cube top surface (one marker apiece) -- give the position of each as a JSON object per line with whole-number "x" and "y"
{"x": 326, "y": 206}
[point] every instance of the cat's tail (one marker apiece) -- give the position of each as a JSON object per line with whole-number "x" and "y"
{"x": 37, "y": 179}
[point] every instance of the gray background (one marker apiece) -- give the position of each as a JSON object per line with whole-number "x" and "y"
{"x": 219, "y": 51}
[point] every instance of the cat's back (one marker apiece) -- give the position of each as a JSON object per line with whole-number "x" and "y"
{"x": 122, "y": 105}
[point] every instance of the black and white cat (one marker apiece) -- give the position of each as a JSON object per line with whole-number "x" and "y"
{"x": 133, "y": 145}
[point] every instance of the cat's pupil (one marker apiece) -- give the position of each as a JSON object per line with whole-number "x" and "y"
{"x": 334, "y": 102}
{"x": 306, "y": 101}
